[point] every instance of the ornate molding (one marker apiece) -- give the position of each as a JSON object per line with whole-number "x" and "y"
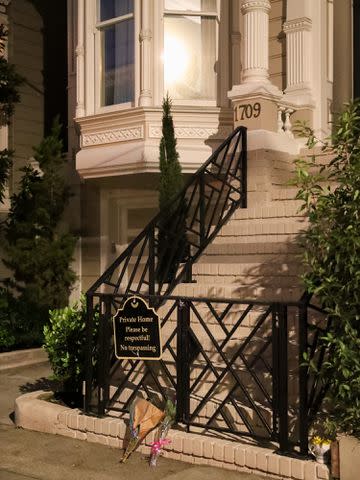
{"x": 113, "y": 136}
{"x": 298, "y": 24}
{"x": 193, "y": 132}
{"x": 3, "y": 5}
{"x": 249, "y": 5}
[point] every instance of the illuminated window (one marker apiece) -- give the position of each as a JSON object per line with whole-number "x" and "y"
{"x": 190, "y": 49}
{"x": 116, "y": 25}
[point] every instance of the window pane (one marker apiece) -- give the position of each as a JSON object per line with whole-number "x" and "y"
{"x": 115, "y": 8}
{"x": 118, "y": 63}
{"x": 193, "y": 5}
{"x": 189, "y": 57}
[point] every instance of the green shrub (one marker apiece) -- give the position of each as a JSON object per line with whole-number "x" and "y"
{"x": 65, "y": 343}
{"x": 331, "y": 200}
{"x": 37, "y": 252}
{"x": 172, "y": 237}
{"x": 14, "y": 332}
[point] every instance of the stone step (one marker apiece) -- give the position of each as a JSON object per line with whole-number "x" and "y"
{"x": 269, "y": 292}
{"x": 262, "y": 250}
{"x": 272, "y": 209}
{"x": 261, "y": 227}
{"x": 246, "y": 269}
{"x": 284, "y": 193}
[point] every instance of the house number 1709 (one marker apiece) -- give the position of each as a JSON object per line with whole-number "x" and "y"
{"x": 248, "y": 111}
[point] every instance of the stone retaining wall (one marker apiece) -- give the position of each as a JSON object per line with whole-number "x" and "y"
{"x": 34, "y": 411}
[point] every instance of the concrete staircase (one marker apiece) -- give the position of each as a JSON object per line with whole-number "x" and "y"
{"x": 256, "y": 255}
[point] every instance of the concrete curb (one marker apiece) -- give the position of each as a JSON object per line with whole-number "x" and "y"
{"x": 33, "y": 411}
{"x": 22, "y": 358}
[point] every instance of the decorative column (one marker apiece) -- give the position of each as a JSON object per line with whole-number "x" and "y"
{"x": 255, "y": 100}
{"x": 145, "y": 98}
{"x": 80, "y": 61}
{"x": 256, "y": 40}
{"x": 298, "y": 59}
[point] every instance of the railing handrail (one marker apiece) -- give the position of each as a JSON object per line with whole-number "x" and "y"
{"x": 235, "y": 301}
{"x": 164, "y": 213}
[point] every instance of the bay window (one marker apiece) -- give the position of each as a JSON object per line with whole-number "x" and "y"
{"x": 190, "y": 39}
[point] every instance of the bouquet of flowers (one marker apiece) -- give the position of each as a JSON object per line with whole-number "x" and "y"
{"x": 164, "y": 427}
{"x": 320, "y": 448}
{"x": 144, "y": 416}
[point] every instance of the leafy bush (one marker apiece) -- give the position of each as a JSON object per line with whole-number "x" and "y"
{"x": 331, "y": 200}
{"x": 36, "y": 252}
{"x": 65, "y": 343}
{"x": 14, "y": 332}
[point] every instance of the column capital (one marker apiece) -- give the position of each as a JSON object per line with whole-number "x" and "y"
{"x": 259, "y": 5}
{"x": 298, "y": 24}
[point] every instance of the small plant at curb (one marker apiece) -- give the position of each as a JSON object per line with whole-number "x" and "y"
{"x": 331, "y": 200}
{"x": 320, "y": 441}
{"x": 65, "y": 343}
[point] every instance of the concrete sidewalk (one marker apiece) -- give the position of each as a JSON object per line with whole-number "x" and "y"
{"x": 38, "y": 456}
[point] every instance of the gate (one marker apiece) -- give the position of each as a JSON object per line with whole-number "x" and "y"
{"x": 232, "y": 367}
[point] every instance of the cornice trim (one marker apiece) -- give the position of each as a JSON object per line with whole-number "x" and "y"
{"x": 297, "y": 24}
{"x": 220, "y": 133}
{"x": 112, "y": 136}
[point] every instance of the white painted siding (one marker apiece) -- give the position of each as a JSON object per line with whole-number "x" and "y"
{"x": 26, "y": 52}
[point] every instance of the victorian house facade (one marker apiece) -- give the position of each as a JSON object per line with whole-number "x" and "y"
{"x": 262, "y": 64}
{"x": 258, "y": 63}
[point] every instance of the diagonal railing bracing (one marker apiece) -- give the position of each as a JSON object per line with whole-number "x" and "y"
{"x": 161, "y": 256}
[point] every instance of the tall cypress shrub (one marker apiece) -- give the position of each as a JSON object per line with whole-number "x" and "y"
{"x": 171, "y": 238}
{"x": 171, "y": 180}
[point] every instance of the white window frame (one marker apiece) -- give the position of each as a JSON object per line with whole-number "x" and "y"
{"x": 91, "y": 75}
{"x": 181, "y": 13}
{"x": 97, "y": 65}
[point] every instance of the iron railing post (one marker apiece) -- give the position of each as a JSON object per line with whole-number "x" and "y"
{"x": 182, "y": 363}
{"x": 104, "y": 355}
{"x": 244, "y": 167}
{"x": 303, "y": 379}
{"x": 152, "y": 261}
{"x": 280, "y": 357}
{"x": 89, "y": 352}
{"x": 202, "y": 206}
{"x": 275, "y": 370}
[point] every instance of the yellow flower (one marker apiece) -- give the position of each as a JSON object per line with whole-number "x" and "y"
{"x": 320, "y": 441}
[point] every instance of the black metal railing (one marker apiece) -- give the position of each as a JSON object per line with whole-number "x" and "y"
{"x": 233, "y": 366}
{"x": 163, "y": 253}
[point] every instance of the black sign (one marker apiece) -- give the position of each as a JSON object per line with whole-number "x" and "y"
{"x": 137, "y": 331}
